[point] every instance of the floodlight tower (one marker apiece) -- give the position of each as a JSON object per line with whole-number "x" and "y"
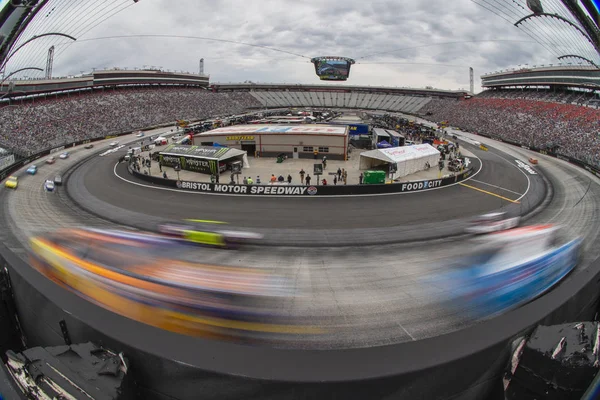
{"x": 471, "y": 80}
{"x": 49, "y": 63}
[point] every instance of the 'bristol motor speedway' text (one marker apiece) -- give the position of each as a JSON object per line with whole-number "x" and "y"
{"x": 240, "y": 189}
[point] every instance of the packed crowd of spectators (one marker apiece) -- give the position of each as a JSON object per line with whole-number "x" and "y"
{"x": 33, "y": 127}
{"x": 567, "y": 129}
{"x": 582, "y": 98}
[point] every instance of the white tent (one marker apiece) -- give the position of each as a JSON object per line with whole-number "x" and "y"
{"x": 410, "y": 159}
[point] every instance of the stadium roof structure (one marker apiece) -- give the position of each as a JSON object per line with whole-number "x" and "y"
{"x": 231, "y": 87}
{"x": 566, "y": 76}
{"x": 99, "y": 79}
{"x": 563, "y": 27}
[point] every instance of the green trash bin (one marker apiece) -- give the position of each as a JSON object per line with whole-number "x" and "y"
{"x": 374, "y": 177}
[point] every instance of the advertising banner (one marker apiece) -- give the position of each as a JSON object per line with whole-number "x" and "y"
{"x": 309, "y": 191}
{"x": 358, "y": 129}
{"x": 248, "y": 189}
{"x": 195, "y": 151}
{"x": 190, "y": 164}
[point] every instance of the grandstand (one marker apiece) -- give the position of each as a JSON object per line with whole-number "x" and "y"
{"x": 564, "y": 129}
{"x": 544, "y": 116}
{"x": 44, "y": 123}
{"x": 578, "y": 85}
{"x": 100, "y": 80}
{"x": 320, "y": 96}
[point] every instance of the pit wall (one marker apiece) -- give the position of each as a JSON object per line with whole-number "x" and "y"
{"x": 295, "y": 190}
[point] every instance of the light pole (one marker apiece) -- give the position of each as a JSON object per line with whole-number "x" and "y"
{"x": 5, "y": 61}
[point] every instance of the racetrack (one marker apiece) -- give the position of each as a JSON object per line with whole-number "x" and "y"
{"x": 377, "y": 290}
{"x": 451, "y": 203}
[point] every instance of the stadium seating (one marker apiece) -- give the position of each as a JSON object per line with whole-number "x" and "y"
{"x": 368, "y": 101}
{"x": 33, "y": 127}
{"x": 573, "y": 129}
{"x": 543, "y": 119}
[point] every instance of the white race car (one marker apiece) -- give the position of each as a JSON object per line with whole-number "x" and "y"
{"x": 49, "y": 186}
{"x": 492, "y": 222}
{"x": 114, "y": 144}
{"x": 64, "y": 155}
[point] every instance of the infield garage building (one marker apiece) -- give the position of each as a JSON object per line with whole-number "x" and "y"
{"x": 296, "y": 141}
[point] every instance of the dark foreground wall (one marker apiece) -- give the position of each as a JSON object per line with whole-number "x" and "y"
{"x": 467, "y": 364}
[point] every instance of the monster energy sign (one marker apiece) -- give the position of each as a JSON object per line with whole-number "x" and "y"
{"x": 201, "y": 159}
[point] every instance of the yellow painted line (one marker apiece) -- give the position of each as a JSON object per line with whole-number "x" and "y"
{"x": 490, "y": 193}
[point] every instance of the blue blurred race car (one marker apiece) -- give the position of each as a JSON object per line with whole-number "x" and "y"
{"x": 49, "y": 186}
{"x": 32, "y": 170}
{"x": 507, "y": 270}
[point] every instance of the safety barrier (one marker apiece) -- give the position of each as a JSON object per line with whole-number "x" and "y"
{"x": 295, "y": 190}
{"x": 581, "y": 164}
{"x": 469, "y": 363}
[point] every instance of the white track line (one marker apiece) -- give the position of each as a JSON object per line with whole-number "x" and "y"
{"x": 521, "y": 171}
{"x": 497, "y": 187}
{"x": 297, "y": 197}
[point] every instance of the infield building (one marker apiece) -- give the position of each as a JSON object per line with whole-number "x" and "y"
{"x": 296, "y": 141}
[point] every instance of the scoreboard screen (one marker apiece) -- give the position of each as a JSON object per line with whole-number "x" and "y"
{"x": 332, "y": 68}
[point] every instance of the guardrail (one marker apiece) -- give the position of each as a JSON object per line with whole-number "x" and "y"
{"x": 296, "y": 190}
{"x": 466, "y": 364}
{"x": 590, "y": 168}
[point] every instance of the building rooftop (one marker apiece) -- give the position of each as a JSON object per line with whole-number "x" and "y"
{"x": 267, "y": 129}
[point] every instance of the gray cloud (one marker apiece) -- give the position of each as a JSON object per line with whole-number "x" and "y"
{"x": 308, "y": 27}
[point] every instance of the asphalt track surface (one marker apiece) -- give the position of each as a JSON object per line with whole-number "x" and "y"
{"x": 445, "y": 204}
{"x": 380, "y": 292}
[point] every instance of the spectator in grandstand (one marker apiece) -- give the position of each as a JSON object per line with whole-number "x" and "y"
{"x": 32, "y": 127}
{"x": 566, "y": 129}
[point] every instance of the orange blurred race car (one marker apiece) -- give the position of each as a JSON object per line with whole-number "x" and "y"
{"x": 133, "y": 274}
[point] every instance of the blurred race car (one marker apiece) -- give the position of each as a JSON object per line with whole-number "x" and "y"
{"x": 114, "y": 144}
{"x": 64, "y": 155}
{"x": 11, "y": 182}
{"x": 140, "y": 277}
{"x": 507, "y": 269}
{"x": 89, "y": 146}
{"x": 49, "y": 185}
{"x": 208, "y": 233}
{"x": 140, "y": 134}
{"x": 58, "y": 180}
{"x": 32, "y": 170}
{"x": 492, "y": 222}
{"x": 51, "y": 160}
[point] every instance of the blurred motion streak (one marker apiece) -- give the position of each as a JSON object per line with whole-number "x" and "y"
{"x": 208, "y": 233}
{"x": 505, "y": 270}
{"x": 140, "y": 277}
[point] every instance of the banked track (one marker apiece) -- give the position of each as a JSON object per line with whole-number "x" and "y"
{"x": 377, "y": 290}
{"x": 366, "y": 285}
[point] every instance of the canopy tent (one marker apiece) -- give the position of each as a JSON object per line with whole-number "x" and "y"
{"x": 410, "y": 159}
{"x": 203, "y": 159}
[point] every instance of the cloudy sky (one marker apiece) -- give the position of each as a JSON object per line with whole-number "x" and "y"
{"x": 412, "y": 43}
